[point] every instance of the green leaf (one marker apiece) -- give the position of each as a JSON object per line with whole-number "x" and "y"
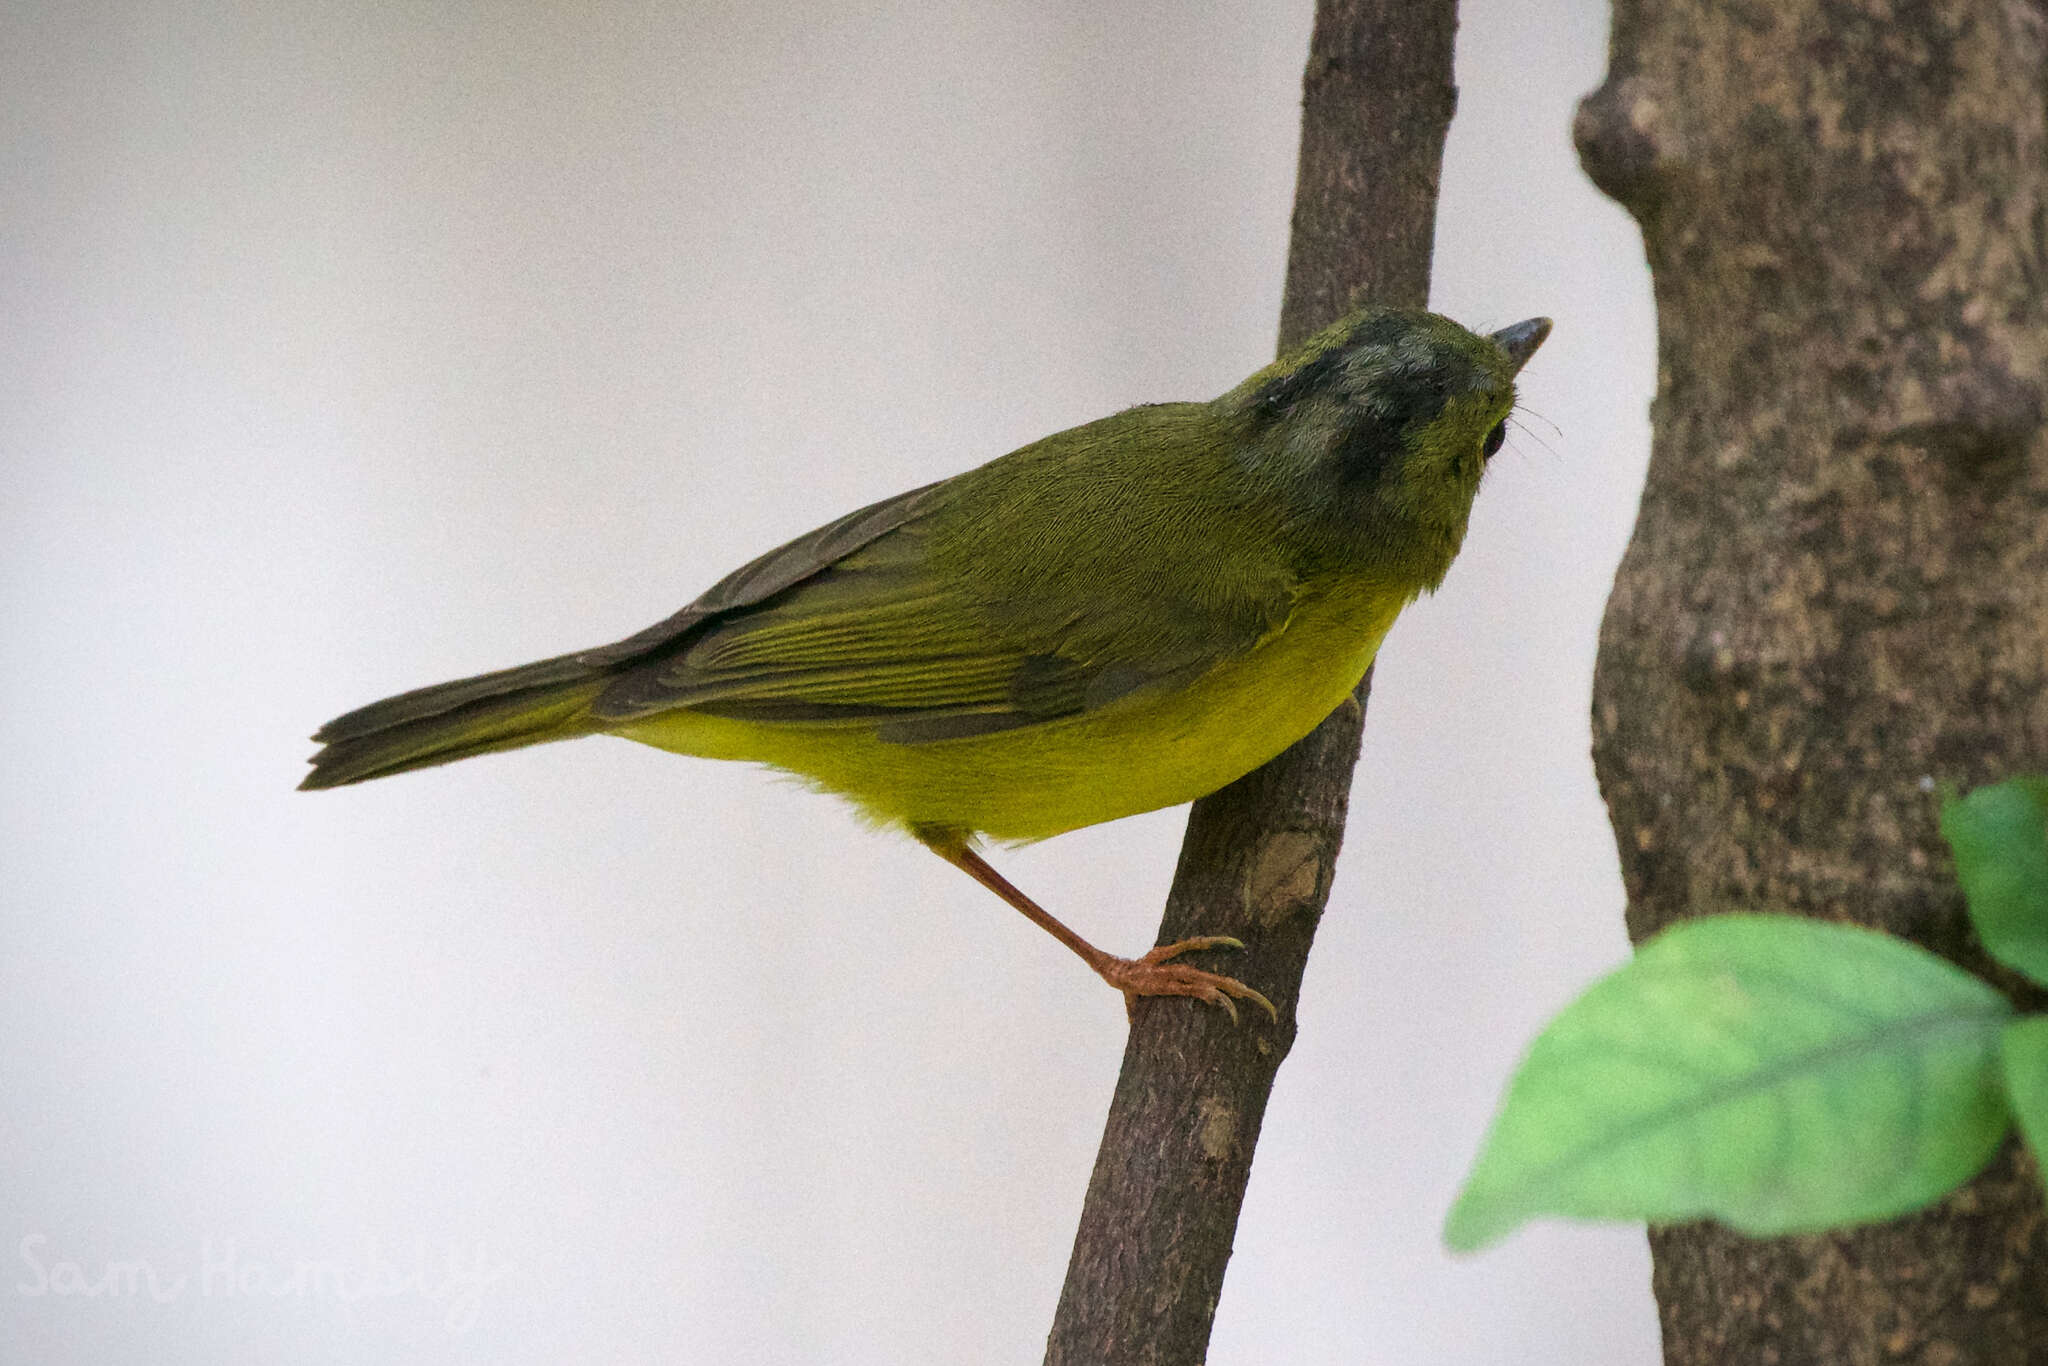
{"x": 1999, "y": 835}
{"x": 1778, "y": 1074}
{"x": 2025, "y": 1053}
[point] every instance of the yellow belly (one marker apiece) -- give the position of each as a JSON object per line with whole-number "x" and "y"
{"x": 1140, "y": 754}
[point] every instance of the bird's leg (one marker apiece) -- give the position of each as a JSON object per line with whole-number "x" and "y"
{"x": 1151, "y": 975}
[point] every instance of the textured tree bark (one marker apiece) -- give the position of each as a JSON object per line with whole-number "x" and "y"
{"x": 1837, "y": 593}
{"x": 1176, "y": 1152}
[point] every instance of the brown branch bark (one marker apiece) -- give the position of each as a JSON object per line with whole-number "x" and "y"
{"x": 1169, "y": 1179}
{"x": 1838, "y": 585}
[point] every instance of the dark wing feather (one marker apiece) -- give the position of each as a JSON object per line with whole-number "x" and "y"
{"x": 881, "y": 639}
{"x": 769, "y": 574}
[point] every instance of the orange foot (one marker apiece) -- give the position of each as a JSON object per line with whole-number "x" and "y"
{"x": 1154, "y": 975}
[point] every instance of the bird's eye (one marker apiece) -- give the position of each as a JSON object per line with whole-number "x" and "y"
{"x": 1494, "y": 438}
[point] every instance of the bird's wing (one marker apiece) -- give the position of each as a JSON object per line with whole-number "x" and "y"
{"x": 881, "y": 637}
{"x": 781, "y": 568}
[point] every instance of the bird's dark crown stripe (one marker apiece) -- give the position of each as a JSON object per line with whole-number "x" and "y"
{"x": 1382, "y": 329}
{"x": 1280, "y": 393}
{"x": 1414, "y": 399}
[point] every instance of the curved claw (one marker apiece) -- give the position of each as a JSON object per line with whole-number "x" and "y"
{"x": 1156, "y": 975}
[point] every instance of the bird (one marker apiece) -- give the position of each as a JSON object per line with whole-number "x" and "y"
{"x": 1122, "y": 616}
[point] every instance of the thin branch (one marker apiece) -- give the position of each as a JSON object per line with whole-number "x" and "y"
{"x": 1169, "y": 1180}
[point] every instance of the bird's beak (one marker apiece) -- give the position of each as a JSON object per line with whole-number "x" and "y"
{"x": 1521, "y": 340}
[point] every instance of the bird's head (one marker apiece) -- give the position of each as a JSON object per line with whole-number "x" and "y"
{"x": 1375, "y": 432}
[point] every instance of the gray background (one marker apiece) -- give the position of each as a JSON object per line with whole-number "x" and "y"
{"x": 347, "y": 350}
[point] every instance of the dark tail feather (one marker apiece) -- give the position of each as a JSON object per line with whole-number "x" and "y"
{"x": 504, "y": 710}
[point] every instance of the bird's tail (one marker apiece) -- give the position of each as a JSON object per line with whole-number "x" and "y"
{"x": 504, "y": 710}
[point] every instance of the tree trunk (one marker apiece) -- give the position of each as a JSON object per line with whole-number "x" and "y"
{"x": 1837, "y": 592}
{"x": 1176, "y": 1152}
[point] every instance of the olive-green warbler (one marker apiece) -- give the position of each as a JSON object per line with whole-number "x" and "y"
{"x": 1123, "y": 616}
